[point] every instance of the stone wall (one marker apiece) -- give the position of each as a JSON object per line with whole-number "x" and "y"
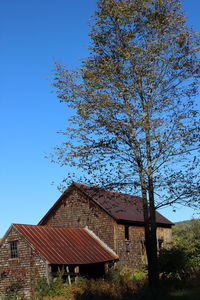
{"x": 20, "y": 272}
{"x": 164, "y": 234}
{"x": 131, "y": 252}
{"x": 78, "y": 211}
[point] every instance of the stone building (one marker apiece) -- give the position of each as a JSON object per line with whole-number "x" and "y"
{"x": 84, "y": 233}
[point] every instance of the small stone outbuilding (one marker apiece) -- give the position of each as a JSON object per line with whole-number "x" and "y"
{"x": 85, "y": 232}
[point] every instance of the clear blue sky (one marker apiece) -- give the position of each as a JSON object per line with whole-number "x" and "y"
{"x": 33, "y": 35}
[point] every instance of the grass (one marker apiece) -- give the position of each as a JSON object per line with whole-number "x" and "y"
{"x": 190, "y": 294}
{"x": 193, "y": 294}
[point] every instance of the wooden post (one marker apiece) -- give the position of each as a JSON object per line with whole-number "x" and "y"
{"x": 68, "y": 275}
{"x": 47, "y": 272}
{"x": 76, "y": 271}
{"x": 106, "y": 268}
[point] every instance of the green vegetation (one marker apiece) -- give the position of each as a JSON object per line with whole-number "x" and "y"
{"x": 101, "y": 289}
{"x": 187, "y": 237}
{"x": 191, "y": 294}
{"x": 180, "y": 264}
{"x": 116, "y": 285}
{"x": 119, "y": 289}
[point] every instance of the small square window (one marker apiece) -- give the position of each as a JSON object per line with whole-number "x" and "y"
{"x": 14, "y": 249}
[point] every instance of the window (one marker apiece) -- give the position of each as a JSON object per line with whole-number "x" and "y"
{"x": 160, "y": 244}
{"x": 14, "y": 249}
{"x": 127, "y": 233}
{"x": 127, "y": 246}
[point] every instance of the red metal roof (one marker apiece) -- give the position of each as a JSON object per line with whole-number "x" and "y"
{"x": 59, "y": 245}
{"x": 121, "y": 206}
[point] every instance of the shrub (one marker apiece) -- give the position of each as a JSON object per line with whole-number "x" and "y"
{"x": 14, "y": 292}
{"x": 177, "y": 269}
{"x": 187, "y": 237}
{"x": 127, "y": 279}
{"x": 42, "y": 288}
{"x": 180, "y": 265}
{"x": 173, "y": 263}
{"x": 116, "y": 285}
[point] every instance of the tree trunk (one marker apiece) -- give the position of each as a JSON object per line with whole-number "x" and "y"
{"x": 151, "y": 244}
{"x": 153, "y": 259}
{"x": 150, "y": 235}
{"x": 152, "y": 254}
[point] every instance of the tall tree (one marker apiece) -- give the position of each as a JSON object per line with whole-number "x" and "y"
{"x": 135, "y": 125}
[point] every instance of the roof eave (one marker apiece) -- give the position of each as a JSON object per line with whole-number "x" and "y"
{"x": 30, "y": 244}
{"x": 141, "y": 223}
{"x": 51, "y": 210}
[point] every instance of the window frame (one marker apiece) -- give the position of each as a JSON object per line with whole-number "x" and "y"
{"x": 14, "y": 249}
{"x": 126, "y": 233}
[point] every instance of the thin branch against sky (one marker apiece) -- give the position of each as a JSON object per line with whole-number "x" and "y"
{"x": 33, "y": 36}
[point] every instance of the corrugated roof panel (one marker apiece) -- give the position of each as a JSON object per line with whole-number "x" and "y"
{"x": 59, "y": 245}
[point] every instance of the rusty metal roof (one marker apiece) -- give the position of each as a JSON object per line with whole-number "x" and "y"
{"x": 122, "y": 207}
{"x": 59, "y": 245}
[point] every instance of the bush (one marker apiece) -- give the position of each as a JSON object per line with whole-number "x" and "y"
{"x": 42, "y": 288}
{"x": 177, "y": 270}
{"x": 116, "y": 285}
{"x": 187, "y": 237}
{"x": 127, "y": 279}
{"x": 14, "y": 292}
{"x": 173, "y": 263}
{"x": 180, "y": 265}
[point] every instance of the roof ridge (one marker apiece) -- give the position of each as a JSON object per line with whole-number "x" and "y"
{"x": 102, "y": 189}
